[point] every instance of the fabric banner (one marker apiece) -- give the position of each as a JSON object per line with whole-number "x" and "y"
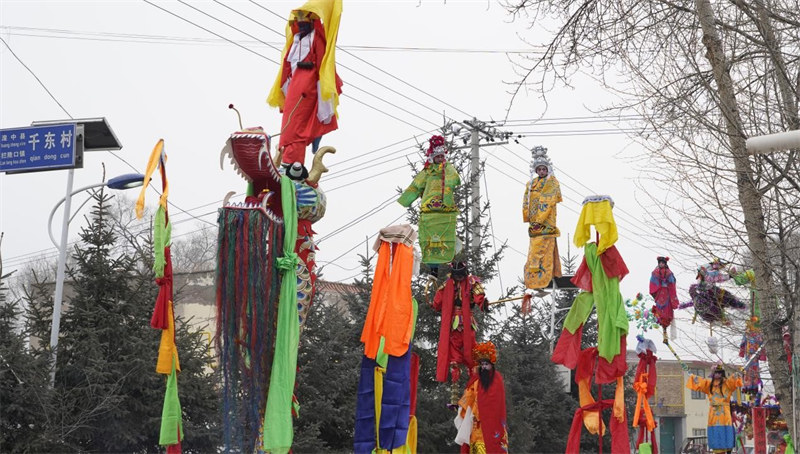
{"x": 759, "y": 430}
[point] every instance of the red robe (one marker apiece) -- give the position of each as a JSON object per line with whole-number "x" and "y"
{"x": 455, "y": 346}
{"x": 300, "y": 125}
{"x": 492, "y": 414}
{"x": 662, "y": 289}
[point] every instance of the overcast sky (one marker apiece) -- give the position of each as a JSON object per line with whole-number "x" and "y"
{"x": 404, "y": 64}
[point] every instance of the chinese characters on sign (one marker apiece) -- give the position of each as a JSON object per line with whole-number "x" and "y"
{"x": 37, "y": 148}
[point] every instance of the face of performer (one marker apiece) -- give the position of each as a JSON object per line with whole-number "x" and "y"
{"x": 485, "y": 373}
{"x": 541, "y": 171}
{"x": 717, "y": 375}
{"x": 438, "y": 159}
{"x": 662, "y": 264}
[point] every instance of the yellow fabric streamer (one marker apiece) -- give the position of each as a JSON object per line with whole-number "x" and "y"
{"x": 167, "y": 350}
{"x": 152, "y": 164}
{"x": 598, "y": 214}
{"x": 330, "y": 12}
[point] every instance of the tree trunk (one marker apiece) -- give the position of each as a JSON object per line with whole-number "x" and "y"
{"x": 750, "y": 199}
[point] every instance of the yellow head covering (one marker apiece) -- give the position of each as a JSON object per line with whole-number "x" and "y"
{"x": 152, "y": 164}
{"x": 330, "y": 12}
{"x": 597, "y": 211}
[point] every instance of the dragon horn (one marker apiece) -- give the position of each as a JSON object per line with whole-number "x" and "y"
{"x": 317, "y": 167}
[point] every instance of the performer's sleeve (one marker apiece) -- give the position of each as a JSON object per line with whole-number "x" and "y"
{"x": 696, "y": 383}
{"x": 654, "y": 284}
{"x": 525, "y": 203}
{"x": 673, "y": 292}
{"x": 413, "y": 191}
{"x": 286, "y": 77}
{"x": 452, "y": 174}
{"x": 478, "y": 295}
{"x": 734, "y": 382}
{"x": 557, "y": 188}
{"x": 438, "y": 298}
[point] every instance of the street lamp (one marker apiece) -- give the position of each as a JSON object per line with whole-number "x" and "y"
{"x": 121, "y": 182}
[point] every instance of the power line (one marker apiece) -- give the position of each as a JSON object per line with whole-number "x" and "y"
{"x": 35, "y": 77}
{"x": 164, "y": 39}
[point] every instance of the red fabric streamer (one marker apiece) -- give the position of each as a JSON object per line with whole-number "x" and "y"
{"x": 159, "y": 318}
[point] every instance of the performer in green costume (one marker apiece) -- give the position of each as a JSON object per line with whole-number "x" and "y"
{"x": 435, "y": 185}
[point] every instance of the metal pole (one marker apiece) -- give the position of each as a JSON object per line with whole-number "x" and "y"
{"x": 59, "y": 293}
{"x": 474, "y": 177}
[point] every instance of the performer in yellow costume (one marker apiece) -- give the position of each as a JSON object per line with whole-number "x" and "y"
{"x": 542, "y": 193}
{"x": 721, "y": 435}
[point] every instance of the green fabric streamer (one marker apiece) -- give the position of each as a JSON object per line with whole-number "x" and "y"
{"x": 612, "y": 321}
{"x": 579, "y": 312}
{"x": 278, "y": 429}
{"x": 162, "y": 232}
{"x": 171, "y": 421}
{"x": 789, "y": 445}
{"x": 381, "y": 357}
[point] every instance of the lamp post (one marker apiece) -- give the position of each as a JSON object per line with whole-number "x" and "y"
{"x": 121, "y": 182}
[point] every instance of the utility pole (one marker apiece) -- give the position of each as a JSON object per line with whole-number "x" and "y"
{"x": 474, "y": 178}
{"x": 473, "y": 130}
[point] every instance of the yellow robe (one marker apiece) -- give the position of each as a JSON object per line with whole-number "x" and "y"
{"x": 539, "y": 211}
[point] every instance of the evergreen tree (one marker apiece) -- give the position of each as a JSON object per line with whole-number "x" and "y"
{"x": 23, "y": 381}
{"x": 107, "y": 396}
{"x": 329, "y": 362}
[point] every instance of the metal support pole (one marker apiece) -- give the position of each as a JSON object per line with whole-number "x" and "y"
{"x": 60, "y": 271}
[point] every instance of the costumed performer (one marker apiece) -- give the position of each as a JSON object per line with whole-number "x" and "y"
{"x": 542, "y": 193}
{"x": 720, "y": 433}
{"x": 386, "y": 389}
{"x": 435, "y": 185}
{"x": 307, "y": 87}
{"x": 663, "y": 291}
{"x": 481, "y": 419}
{"x": 455, "y": 299}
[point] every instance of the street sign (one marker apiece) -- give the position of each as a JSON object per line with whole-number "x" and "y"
{"x": 38, "y": 148}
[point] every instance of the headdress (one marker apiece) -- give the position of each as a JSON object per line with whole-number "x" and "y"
{"x": 539, "y": 158}
{"x": 436, "y": 146}
{"x": 458, "y": 270}
{"x": 718, "y": 368}
{"x": 662, "y": 259}
{"x": 485, "y": 350}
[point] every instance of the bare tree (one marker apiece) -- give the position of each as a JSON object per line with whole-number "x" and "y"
{"x": 703, "y": 77}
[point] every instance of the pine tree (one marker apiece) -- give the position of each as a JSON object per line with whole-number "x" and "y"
{"x": 107, "y": 396}
{"x": 23, "y": 381}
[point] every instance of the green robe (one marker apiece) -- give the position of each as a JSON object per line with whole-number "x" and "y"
{"x": 438, "y": 210}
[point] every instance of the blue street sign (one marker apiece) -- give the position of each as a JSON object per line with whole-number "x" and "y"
{"x": 37, "y": 148}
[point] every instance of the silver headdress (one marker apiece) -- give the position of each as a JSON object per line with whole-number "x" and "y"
{"x": 539, "y": 158}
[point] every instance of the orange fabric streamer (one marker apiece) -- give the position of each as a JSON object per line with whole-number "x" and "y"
{"x": 642, "y": 404}
{"x": 390, "y": 313}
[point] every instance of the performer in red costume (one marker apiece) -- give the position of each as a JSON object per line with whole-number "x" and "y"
{"x": 300, "y": 93}
{"x": 455, "y": 299}
{"x": 662, "y": 289}
{"x": 481, "y": 419}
